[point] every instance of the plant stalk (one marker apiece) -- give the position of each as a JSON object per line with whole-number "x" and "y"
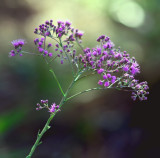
{"x": 47, "y": 127}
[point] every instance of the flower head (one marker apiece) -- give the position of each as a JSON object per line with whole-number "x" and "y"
{"x": 117, "y": 68}
{"x": 18, "y": 43}
{"x": 18, "y": 47}
{"x": 44, "y": 104}
{"x": 54, "y": 108}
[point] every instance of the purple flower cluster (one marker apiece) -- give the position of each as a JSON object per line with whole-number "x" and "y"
{"x": 59, "y": 30}
{"x": 18, "y": 47}
{"x": 44, "y": 104}
{"x": 54, "y": 108}
{"x": 63, "y": 34}
{"x": 40, "y": 43}
{"x": 108, "y": 79}
{"x": 116, "y": 67}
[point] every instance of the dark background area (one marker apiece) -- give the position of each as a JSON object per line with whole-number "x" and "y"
{"x": 101, "y": 124}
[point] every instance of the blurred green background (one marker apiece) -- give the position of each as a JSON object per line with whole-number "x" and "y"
{"x": 98, "y": 124}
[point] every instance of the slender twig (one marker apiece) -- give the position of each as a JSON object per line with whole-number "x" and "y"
{"x": 55, "y": 39}
{"x": 57, "y": 81}
{"x": 98, "y": 88}
{"x": 53, "y": 59}
{"x": 79, "y": 45}
{"x": 87, "y": 76}
{"x": 30, "y": 53}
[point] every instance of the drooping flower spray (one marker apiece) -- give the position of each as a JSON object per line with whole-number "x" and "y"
{"x": 115, "y": 67}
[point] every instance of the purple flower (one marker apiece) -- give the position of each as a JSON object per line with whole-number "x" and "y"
{"x": 125, "y": 68}
{"x": 40, "y": 44}
{"x": 67, "y": 23}
{"x": 44, "y": 104}
{"x": 105, "y": 46}
{"x": 18, "y": 43}
{"x": 50, "y": 54}
{"x": 113, "y": 79}
{"x": 49, "y": 45}
{"x": 52, "y": 108}
{"x": 47, "y": 22}
{"x": 59, "y": 35}
{"x": 59, "y": 22}
{"x": 134, "y": 70}
{"x": 106, "y": 84}
{"x": 79, "y": 34}
{"x": 57, "y": 45}
{"x": 98, "y": 49}
{"x": 40, "y": 50}
{"x": 100, "y": 71}
{"x": 42, "y": 39}
{"x": 108, "y": 75}
{"x": 45, "y": 52}
{"x": 61, "y": 61}
{"x": 94, "y": 53}
{"x": 100, "y": 82}
{"x": 36, "y": 41}
{"x": 105, "y": 77}
{"x": 107, "y": 39}
{"x": 47, "y": 33}
{"x": 12, "y": 53}
{"x": 44, "y": 101}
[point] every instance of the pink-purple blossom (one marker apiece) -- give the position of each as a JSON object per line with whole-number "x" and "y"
{"x": 100, "y": 82}
{"x": 106, "y": 84}
{"x": 18, "y": 43}
{"x": 18, "y": 47}
{"x": 44, "y": 104}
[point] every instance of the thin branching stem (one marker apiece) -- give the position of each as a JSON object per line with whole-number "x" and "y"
{"x": 30, "y": 53}
{"x": 97, "y": 88}
{"x": 47, "y": 125}
{"x": 59, "y": 85}
{"x": 87, "y": 76}
{"x": 53, "y": 59}
{"x": 79, "y": 45}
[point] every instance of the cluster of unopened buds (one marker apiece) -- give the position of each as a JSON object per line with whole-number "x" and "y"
{"x": 115, "y": 67}
{"x": 44, "y": 104}
{"x": 18, "y": 47}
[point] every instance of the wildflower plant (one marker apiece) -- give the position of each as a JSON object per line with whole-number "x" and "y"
{"x": 115, "y": 67}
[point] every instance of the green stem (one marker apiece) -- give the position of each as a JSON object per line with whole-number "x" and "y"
{"x": 24, "y": 52}
{"x": 98, "y": 88}
{"x": 57, "y": 81}
{"x": 79, "y": 45}
{"x": 46, "y": 127}
{"x": 39, "y": 136}
{"x": 87, "y": 75}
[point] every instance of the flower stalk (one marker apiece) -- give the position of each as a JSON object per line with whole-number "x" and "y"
{"x": 47, "y": 125}
{"x": 113, "y": 66}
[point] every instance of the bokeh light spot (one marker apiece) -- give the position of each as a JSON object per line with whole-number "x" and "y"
{"x": 128, "y": 13}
